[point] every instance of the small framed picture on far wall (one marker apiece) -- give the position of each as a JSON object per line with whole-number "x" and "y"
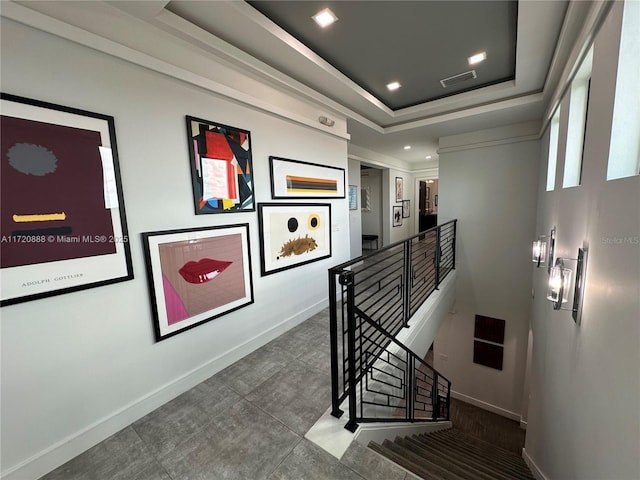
{"x": 397, "y": 216}
{"x": 406, "y": 208}
{"x": 353, "y": 197}
{"x": 399, "y": 192}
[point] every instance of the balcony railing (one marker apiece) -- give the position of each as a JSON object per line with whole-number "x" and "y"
{"x": 371, "y": 299}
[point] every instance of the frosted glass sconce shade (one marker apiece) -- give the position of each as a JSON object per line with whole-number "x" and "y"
{"x": 539, "y": 252}
{"x": 559, "y": 284}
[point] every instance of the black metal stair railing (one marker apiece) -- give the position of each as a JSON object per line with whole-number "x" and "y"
{"x": 397, "y": 385}
{"x": 371, "y": 299}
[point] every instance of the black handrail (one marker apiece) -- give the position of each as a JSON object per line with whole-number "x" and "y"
{"x": 378, "y": 295}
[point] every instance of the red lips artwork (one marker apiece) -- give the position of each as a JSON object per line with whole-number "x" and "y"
{"x": 203, "y": 270}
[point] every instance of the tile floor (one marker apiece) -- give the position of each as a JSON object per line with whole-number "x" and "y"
{"x": 246, "y": 422}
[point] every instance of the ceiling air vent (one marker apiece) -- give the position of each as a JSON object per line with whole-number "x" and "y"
{"x": 461, "y": 77}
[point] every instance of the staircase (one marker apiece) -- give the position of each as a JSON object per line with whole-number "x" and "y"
{"x": 453, "y": 455}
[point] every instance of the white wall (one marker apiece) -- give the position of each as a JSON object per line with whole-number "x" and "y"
{"x": 78, "y": 367}
{"x": 583, "y": 420}
{"x": 492, "y": 192}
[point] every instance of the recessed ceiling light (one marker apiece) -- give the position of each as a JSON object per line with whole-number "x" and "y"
{"x": 428, "y": 157}
{"x": 393, "y": 86}
{"x": 407, "y": 147}
{"x": 477, "y": 58}
{"x": 325, "y": 17}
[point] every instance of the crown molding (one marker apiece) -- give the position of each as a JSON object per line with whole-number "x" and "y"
{"x": 40, "y": 21}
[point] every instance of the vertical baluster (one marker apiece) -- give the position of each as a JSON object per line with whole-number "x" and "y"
{"x": 437, "y": 256}
{"x": 453, "y": 244}
{"x": 346, "y": 279}
{"x": 434, "y": 397}
{"x": 333, "y": 333}
{"x": 411, "y": 386}
{"x": 406, "y": 291}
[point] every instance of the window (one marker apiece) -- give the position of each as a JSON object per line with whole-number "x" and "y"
{"x": 578, "y": 104}
{"x": 553, "y": 150}
{"x": 624, "y": 149}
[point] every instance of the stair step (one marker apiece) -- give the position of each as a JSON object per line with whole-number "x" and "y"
{"x": 477, "y": 441}
{"x": 480, "y": 448}
{"x": 460, "y": 452}
{"x": 478, "y": 445}
{"x": 403, "y": 462}
{"x": 464, "y": 471}
{"x": 514, "y": 467}
{"x": 425, "y": 464}
{"x": 483, "y": 471}
{"x": 453, "y": 455}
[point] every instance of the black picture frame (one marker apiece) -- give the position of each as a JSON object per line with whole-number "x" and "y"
{"x": 184, "y": 280}
{"x": 305, "y": 180}
{"x": 74, "y": 234}
{"x": 282, "y": 226}
{"x": 216, "y": 149}
{"x": 406, "y": 208}
{"x": 397, "y": 216}
{"x": 399, "y": 189}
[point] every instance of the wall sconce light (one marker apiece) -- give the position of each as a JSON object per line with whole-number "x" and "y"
{"x": 539, "y": 254}
{"x": 560, "y": 282}
{"x": 551, "y": 249}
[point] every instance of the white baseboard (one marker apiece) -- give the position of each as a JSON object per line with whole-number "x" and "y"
{"x": 535, "y": 470}
{"x": 77, "y": 443}
{"x": 486, "y": 406}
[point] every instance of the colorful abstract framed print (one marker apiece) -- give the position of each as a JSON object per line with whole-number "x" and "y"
{"x": 221, "y": 167}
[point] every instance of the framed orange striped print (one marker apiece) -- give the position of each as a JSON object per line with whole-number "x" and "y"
{"x": 298, "y": 179}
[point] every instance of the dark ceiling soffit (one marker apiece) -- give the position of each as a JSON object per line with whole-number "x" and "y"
{"x": 475, "y": 87}
{"x": 256, "y": 4}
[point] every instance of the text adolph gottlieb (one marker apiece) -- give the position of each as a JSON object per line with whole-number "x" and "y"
{"x": 41, "y": 239}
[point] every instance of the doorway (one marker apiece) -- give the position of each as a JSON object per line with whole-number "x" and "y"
{"x": 427, "y": 204}
{"x": 371, "y": 202}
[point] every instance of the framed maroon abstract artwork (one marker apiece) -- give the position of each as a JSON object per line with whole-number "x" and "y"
{"x": 196, "y": 275}
{"x": 221, "y": 168}
{"x": 62, "y": 222}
